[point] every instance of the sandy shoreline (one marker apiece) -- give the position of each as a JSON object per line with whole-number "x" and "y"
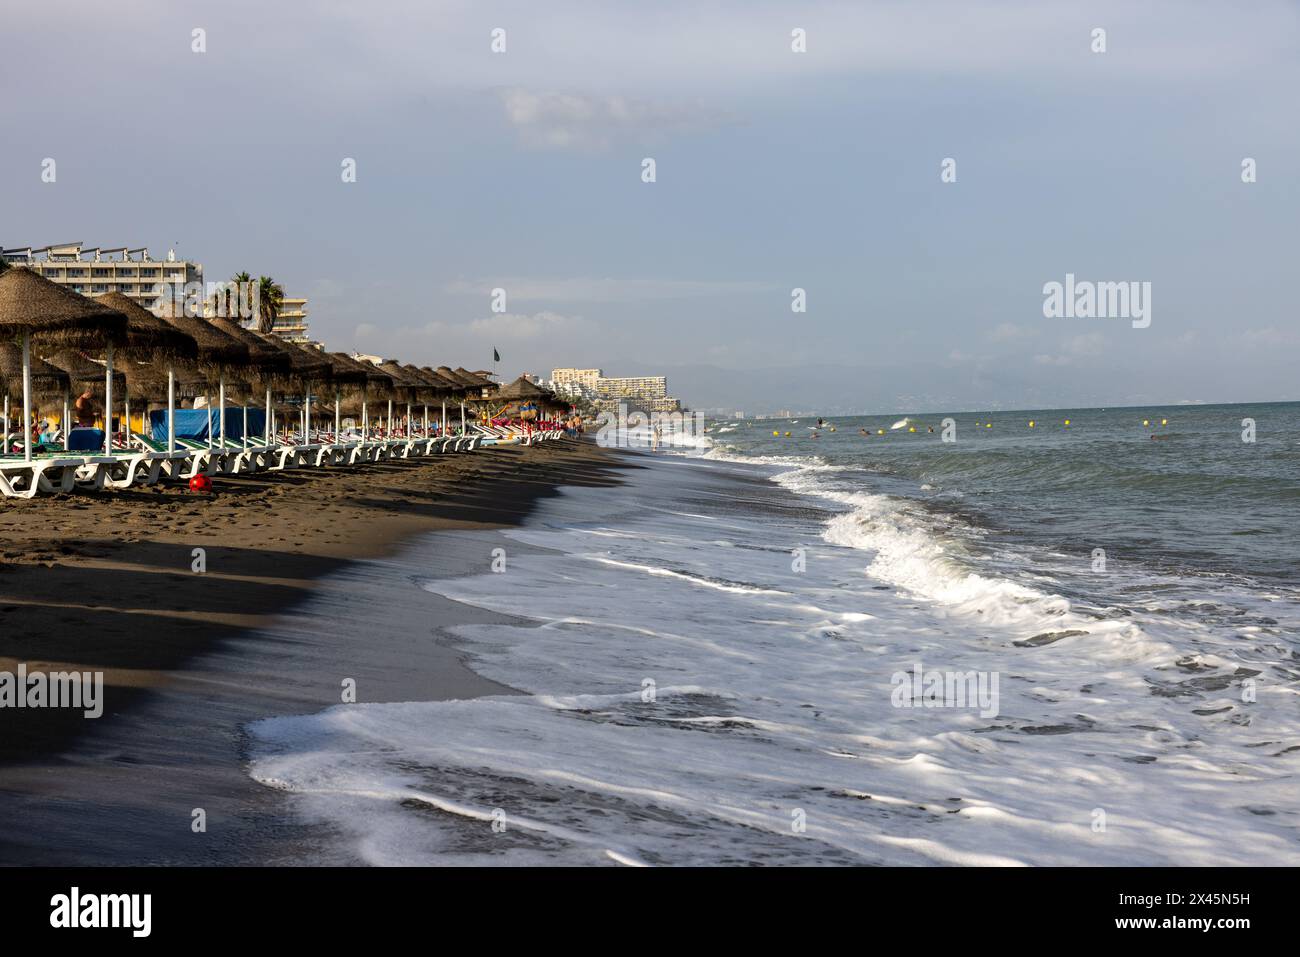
{"x": 105, "y": 583}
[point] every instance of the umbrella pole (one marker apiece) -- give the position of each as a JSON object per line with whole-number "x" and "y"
{"x": 207, "y": 408}
{"x": 337, "y": 423}
{"x": 221, "y": 419}
{"x": 389, "y": 427}
{"x": 426, "y": 420}
{"x": 67, "y": 417}
{"x": 408, "y": 420}
{"x": 27, "y": 396}
{"x": 108, "y": 401}
{"x": 126, "y": 415}
{"x": 171, "y": 411}
{"x": 6, "y": 450}
{"x": 266, "y": 426}
{"x": 444, "y": 417}
{"x": 244, "y": 431}
{"x": 365, "y": 423}
{"x": 306, "y": 418}
{"x": 462, "y": 418}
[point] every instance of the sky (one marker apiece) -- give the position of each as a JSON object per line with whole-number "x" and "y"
{"x": 775, "y": 170}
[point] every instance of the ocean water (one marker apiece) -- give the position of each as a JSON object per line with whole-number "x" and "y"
{"x": 717, "y": 659}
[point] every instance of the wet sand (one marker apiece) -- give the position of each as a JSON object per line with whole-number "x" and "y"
{"x": 105, "y": 582}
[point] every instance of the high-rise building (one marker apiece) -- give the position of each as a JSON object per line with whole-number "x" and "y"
{"x": 647, "y": 393}
{"x": 96, "y": 270}
{"x": 291, "y": 323}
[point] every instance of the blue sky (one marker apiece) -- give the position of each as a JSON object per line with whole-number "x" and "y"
{"x": 818, "y": 170}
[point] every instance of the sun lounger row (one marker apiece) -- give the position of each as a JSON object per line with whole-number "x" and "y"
{"x": 146, "y": 461}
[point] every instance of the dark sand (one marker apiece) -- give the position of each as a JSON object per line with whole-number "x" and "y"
{"x": 104, "y": 582}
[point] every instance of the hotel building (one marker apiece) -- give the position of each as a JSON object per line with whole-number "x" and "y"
{"x": 96, "y": 270}
{"x": 647, "y": 393}
{"x": 291, "y": 323}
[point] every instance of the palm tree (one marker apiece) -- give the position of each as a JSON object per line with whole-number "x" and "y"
{"x": 221, "y": 299}
{"x": 270, "y": 296}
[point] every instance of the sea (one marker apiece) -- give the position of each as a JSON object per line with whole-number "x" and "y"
{"x": 1050, "y": 637}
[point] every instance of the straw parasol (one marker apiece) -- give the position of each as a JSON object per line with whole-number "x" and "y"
{"x": 444, "y": 383}
{"x": 521, "y": 390}
{"x": 83, "y": 373}
{"x": 269, "y": 364}
{"x": 33, "y": 307}
{"x": 147, "y": 336}
{"x": 308, "y": 369}
{"x": 476, "y": 381}
{"x": 218, "y": 351}
{"x": 219, "y": 356}
{"x": 47, "y": 382}
{"x": 47, "y": 385}
{"x": 405, "y": 386}
{"x": 378, "y": 385}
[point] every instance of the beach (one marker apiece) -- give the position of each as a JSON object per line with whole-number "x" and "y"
{"x": 106, "y": 583}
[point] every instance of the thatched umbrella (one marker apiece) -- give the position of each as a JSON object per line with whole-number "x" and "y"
{"x": 344, "y": 373}
{"x": 462, "y": 386}
{"x": 32, "y": 306}
{"x": 45, "y": 384}
{"x": 219, "y": 354}
{"x": 378, "y": 385}
{"x": 268, "y": 365}
{"x": 149, "y": 338}
{"x": 308, "y": 369}
{"x": 89, "y": 376}
{"x": 448, "y": 386}
{"x": 481, "y": 385}
{"x": 406, "y": 385}
{"x": 435, "y": 386}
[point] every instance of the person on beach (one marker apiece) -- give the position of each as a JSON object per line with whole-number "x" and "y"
{"x": 85, "y": 411}
{"x": 658, "y": 435}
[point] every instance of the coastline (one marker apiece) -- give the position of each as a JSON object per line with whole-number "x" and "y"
{"x": 106, "y": 584}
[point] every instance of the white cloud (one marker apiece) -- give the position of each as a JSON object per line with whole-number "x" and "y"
{"x": 509, "y": 325}
{"x": 1009, "y": 331}
{"x": 1088, "y": 344}
{"x": 580, "y": 289}
{"x": 552, "y": 120}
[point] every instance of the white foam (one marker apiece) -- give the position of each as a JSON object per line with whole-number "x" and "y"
{"x": 692, "y": 695}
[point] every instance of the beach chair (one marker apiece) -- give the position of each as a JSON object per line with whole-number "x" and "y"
{"x": 172, "y": 466}
{"x": 46, "y": 474}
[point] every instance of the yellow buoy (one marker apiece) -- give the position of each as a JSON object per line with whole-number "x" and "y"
{"x": 882, "y": 431}
{"x": 988, "y": 425}
{"x": 787, "y": 435}
{"x": 1031, "y": 423}
{"x": 832, "y": 428}
{"x": 1164, "y": 421}
{"x": 777, "y": 434}
{"x": 1067, "y": 421}
{"x": 1146, "y": 421}
{"x": 911, "y": 428}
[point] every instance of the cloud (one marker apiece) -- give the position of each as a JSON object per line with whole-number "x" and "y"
{"x": 1009, "y": 331}
{"x": 1089, "y": 344}
{"x": 508, "y": 325}
{"x": 1272, "y": 337}
{"x": 551, "y": 120}
{"x": 608, "y": 290}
